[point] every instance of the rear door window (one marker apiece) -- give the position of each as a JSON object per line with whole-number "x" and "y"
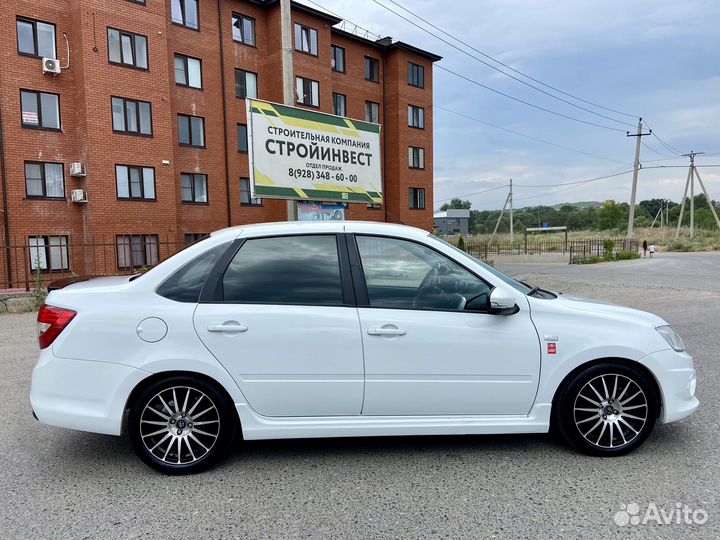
{"x": 301, "y": 270}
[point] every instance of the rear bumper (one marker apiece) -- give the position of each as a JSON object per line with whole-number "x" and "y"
{"x": 675, "y": 374}
{"x": 80, "y": 394}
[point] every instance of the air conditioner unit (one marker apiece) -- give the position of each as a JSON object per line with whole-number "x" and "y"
{"x": 51, "y": 65}
{"x": 78, "y": 196}
{"x": 77, "y": 169}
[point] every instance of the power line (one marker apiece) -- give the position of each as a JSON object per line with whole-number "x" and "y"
{"x": 499, "y": 70}
{"x": 506, "y": 65}
{"x": 671, "y": 149}
{"x": 486, "y": 87}
{"x": 473, "y": 194}
{"x": 574, "y": 182}
{"x": 655, "y": 151}
{"x": 526, "y": 136}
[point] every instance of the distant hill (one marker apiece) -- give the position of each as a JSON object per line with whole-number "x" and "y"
{"x": 584, "y": 204}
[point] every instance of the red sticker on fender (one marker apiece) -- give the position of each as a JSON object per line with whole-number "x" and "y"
{"x": 552, "y": 348}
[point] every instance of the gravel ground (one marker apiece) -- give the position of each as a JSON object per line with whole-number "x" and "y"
{"x": 66, "y": 484}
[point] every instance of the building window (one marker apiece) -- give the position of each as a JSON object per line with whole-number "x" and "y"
{"x": 137, "y": 250}
{"x": 338, "y": 59}
{"x": 243, "y": 29}
{"x": 131, "y": 116}
{"x": 372, "y": 112}
{"x": 127, "y": 49}
{"x": 135, "y": 182}
{"x": 44, "y": 180}
{"x": 306, "y": 39}
{"x": 194, "y": 188}
{"x": 191, "y": 238}
{"x": 372, "y": 69}
{"x": 242, "y": 135}
{"x": 339, "y": 104}
{"x": 245, "y": 84}
{"x": 188, "y": 71}
{"x": 308, "y": 91}
{"x": 416, "y": 157}
{"x": 40, "y": 110}
{"x": 138, "y": 2}
{"x": 185, "y": 13}
{"x": 191, "y": 130}
{"x": 416, "y": 117}
{"x": 417, "y": 198}
{"x": 36, "y": 38}
{"x": 246, "y": 197}
{"x": 416, "y": 75}
{"x": 49, "y": 253}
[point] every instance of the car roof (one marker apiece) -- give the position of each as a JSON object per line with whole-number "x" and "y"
{"x": 307, "y": 227}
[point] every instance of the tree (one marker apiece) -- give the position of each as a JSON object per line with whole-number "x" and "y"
{"x": 456, "y": 204}
{"x": 610, "y": 215}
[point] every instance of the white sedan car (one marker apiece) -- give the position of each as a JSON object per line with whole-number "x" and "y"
{"x": 342, "y": 329}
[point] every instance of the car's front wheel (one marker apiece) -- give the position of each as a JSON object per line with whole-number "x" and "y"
{"x": 608, "y": 409}
{"x": 180, "y": 425}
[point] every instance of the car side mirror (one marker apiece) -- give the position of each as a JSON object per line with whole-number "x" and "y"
{"x": 502, "y": 302}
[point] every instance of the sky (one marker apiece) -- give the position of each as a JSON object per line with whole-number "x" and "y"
{"x": 659, "y": 59}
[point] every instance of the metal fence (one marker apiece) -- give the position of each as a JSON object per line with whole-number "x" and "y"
{"x": 576, "y": 249}
{"x": 42, "y": 259}
{"x": 583, "y": 250}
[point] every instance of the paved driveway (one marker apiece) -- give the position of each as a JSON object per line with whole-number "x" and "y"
{"x": 63, "y": 484}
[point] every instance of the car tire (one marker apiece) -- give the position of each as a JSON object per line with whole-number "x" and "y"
{"x": 181, "y": 425}
{"x": 607, "y": 409}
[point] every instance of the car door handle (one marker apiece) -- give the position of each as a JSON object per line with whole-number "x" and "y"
{"x": 226, "y": 328}
{"x": 386, "y": 332}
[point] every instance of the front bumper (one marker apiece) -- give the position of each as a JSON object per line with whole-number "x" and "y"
{"x": 675, "y": 374}
{"x": 81, "y": 394}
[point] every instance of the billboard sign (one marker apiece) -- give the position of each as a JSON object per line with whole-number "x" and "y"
{"x": 306, "y": 155}
{"x": 321, "y": 212}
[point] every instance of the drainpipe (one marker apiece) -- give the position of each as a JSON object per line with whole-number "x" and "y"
{"x": 6, "y": 217}
{"x": 383, "y": 181}
{"x": 225, "y": 116}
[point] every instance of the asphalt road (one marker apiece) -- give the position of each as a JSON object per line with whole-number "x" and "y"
{"x": 65, "y": 484}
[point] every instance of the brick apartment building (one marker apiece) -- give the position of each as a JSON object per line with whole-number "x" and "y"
{"x": 152, "y": 105}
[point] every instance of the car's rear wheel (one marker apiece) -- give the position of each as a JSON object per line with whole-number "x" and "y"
{"x": 608, "y": 409}
{"x": 181, "y": 425}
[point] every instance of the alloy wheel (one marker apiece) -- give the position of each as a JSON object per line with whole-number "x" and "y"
{"x": 179, "y": 425}
{"x": 610, "y": 411}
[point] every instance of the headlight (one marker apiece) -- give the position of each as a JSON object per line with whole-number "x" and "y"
{"x": 672, "y": 337}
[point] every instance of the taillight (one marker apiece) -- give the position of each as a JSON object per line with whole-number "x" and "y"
{"x": 50, "y": 322}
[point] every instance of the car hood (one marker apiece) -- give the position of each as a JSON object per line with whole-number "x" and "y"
{"x": 605, "y": 309}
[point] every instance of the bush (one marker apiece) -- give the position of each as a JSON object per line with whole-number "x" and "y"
{"x": 461, "y": 243}
{"x": 679, "y": 245}
{"x": 627, "y": 255}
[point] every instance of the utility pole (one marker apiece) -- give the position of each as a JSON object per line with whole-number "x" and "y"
{"x": 512, "y": 233}
{"x": 287, "y": 70}
{"x": 690, "y": 183}
{"x": 636, "y": 170}
{"x": 508, "y": 201}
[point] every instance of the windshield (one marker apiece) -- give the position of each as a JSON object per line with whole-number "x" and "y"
{"x": 497, "y": 273}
